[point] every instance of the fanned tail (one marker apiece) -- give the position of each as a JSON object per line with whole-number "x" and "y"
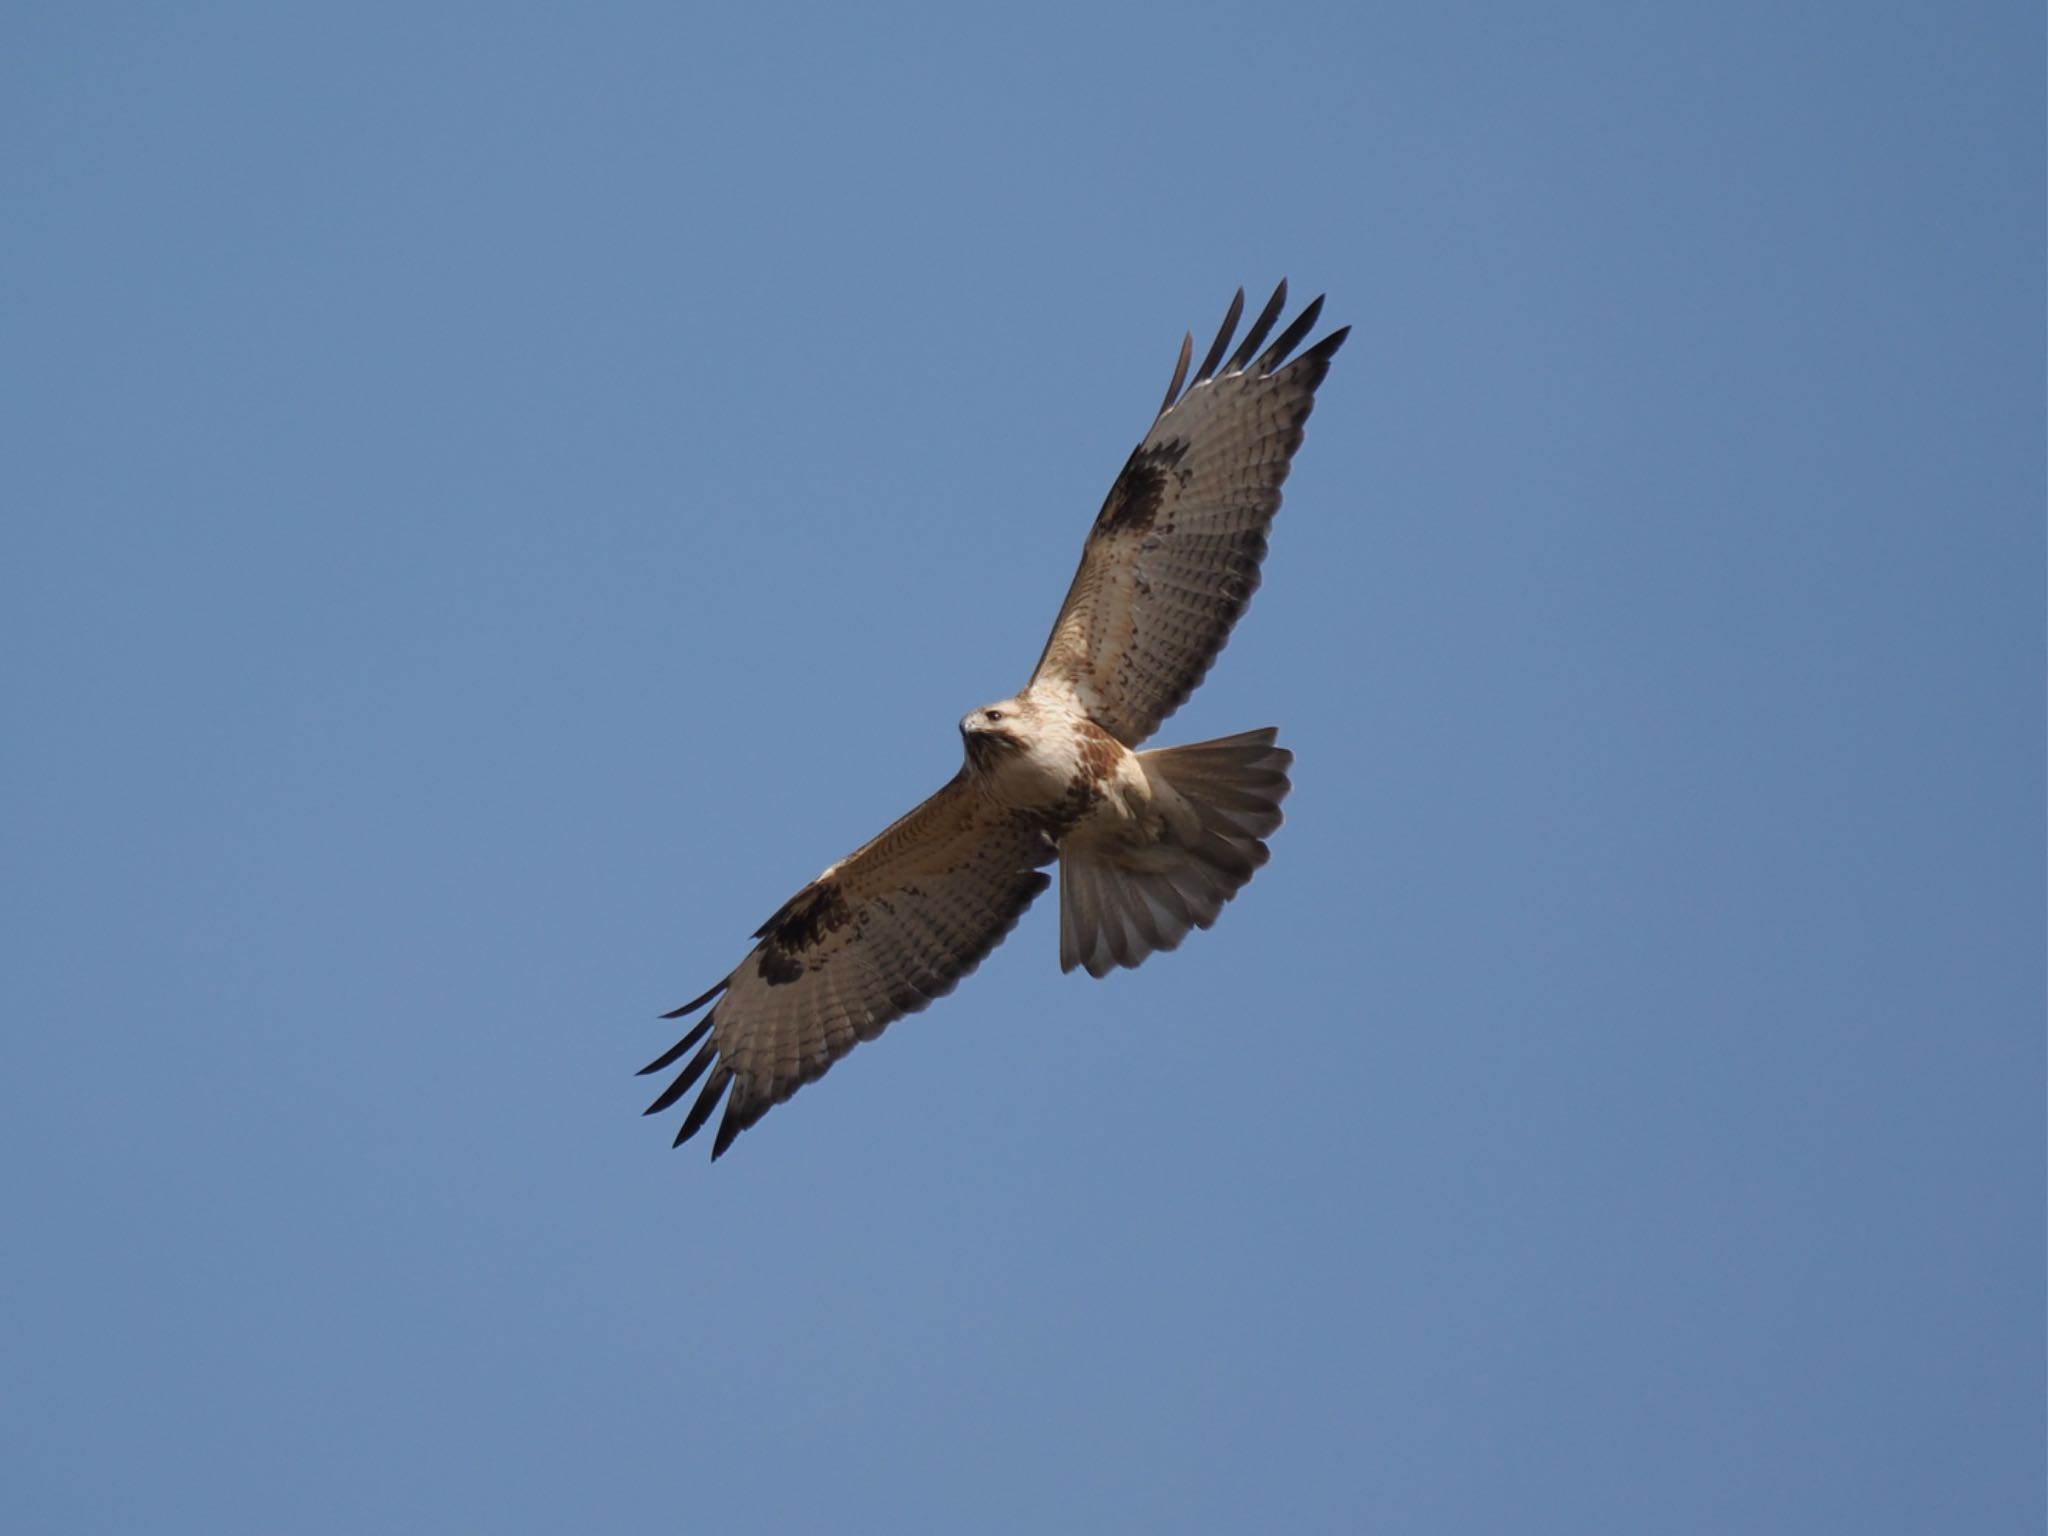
{"x": 1120, "y": 903}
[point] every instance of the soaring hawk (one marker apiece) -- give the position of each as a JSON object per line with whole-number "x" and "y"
{"x": 1149, "y": 844}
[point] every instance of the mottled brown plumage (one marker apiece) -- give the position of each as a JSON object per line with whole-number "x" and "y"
{"x": 1150, "y": 844}
{"x": 1174, "y": 556}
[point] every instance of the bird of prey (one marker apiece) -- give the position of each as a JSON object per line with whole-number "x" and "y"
{"x": 1149, "y": 844}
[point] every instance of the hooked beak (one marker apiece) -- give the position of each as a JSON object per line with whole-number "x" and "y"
{"x": 986, "y": 743}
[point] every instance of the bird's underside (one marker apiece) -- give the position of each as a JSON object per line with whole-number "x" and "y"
{"x": 1149, "y": 843}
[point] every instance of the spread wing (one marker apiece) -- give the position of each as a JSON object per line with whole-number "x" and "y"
{"x": 878, "y": 935}
{"x": 1174, "y": 556}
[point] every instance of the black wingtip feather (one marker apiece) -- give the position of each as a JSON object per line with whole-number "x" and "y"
{"x": 1314, "y": 364}
{"x": 728, "y": 1127}
{"x": 742, "y": 1112}
{"x": 1257, "y": 334}
{"x": 1180, "y": 373}
{"x": 681, "y": 1085}
{"x": 1223, "y": 335}
{"x": 695, "y": 1003}
{"x": 1289, "y": 339}
{"x": 669, "y": 1057}
{"x": 714, "y": 1089}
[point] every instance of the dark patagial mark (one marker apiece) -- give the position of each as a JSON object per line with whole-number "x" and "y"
{"x": 1134, "y": 500}
{"x": 778, "y": 967}
{"x": 805, "y": 921}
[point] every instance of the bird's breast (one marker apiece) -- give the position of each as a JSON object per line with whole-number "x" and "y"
{"x": 1071, "y": 770}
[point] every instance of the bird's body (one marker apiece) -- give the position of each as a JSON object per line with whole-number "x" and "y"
{"x": 1032, "y": 754}
{"x": 1050, "y": 759}
{"x": 1150, "y": 843}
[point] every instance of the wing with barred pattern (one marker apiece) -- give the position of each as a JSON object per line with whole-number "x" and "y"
{"x": 880, "y": 934}
{"x": 1173, "y": 558}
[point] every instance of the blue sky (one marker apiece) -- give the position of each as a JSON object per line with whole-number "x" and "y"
{"x": 497, "y": 497}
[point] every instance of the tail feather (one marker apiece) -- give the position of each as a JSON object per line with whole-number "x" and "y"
{"x": 1120, "y": 903}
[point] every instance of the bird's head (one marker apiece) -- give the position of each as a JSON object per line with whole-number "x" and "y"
{"x": 995, "y": 730}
